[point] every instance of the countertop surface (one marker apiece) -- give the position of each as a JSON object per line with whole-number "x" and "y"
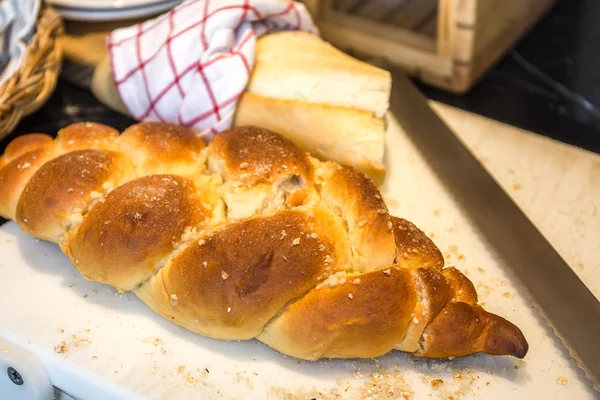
{"x": 554, "y": 183}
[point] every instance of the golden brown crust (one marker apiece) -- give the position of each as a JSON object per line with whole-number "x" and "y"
{"x": 123, "y": 240}
{"x": 354, "y": 196}
{"x": 160, "y": 148}
{"x": 66, "y": 185}
{"x": 354, "y": 319}
{"x": 86, "y": 135}
{"x": 240, "y": 275}
{"x": 271, "y": 243}
{"x": 15, "y": 174}
{"x": 415, "y": 249}
{"x": 461, "y": 330}
{"x": 252, "y": 155}
{"x": 462, "y": 287}
{"x": 26, "y": 143}
{"x": 433, "y": 291}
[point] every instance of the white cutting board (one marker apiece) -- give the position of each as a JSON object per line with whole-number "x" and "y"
{"x": 122, "y": 350}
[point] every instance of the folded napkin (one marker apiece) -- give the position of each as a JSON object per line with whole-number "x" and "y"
{"x": 17, "y": 27}
{"x": 191, "y": 65}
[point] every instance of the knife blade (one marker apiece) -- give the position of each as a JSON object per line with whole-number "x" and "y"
{"x": 562, "y": 299}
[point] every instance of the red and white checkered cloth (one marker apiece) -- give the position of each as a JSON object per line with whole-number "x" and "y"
{"x": 191, "y": 65}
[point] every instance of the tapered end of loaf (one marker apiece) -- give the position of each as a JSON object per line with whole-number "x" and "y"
{"x": 461, "y": 330}
{"x": 504, "y": 338}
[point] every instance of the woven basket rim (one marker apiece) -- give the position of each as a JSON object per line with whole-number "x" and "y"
{"x": 35, "y": 80}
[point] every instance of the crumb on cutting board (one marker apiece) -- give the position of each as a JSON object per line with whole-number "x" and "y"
{"x": 436, "y": 382}
{"x": 61, "y": 347}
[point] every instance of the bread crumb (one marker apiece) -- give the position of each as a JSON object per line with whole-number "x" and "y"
{"x": 224, "y": 275}
{"x": 362, "y": 223}
{"x": 356, "y": 281}
{"x": 61, "y": 347}
{"x": 350, "y": 296}
{"x": 296, "y": 242}
{"x": 516, "y": 186}
{"x": 322, "y": 247}
{"x": 94, "y": 357}
{"x": 562, "y": 380}
{"x": 228, "y": 309}
{"x": 283, "y": 234}
{"x": 314, "y": 235}
{"x": 201, "y": 242}
{"x": 174, "y": 299}
{"x": 70, "y": 190}
{"x": 507, "y": 294}
{"x": 5, "y": 350}
{"x": 137, "y": 216}
{"x": 415, "y": 320}
{"x": 80, "y": 342}
{"x": 436, "y": 382}
{"x": 389, "y": 225}
{"x": 204, "y": 264}
{"x": 328, "y": 260}
{"x": 244, "y": 165}
{"x": 154, "y": 341}
{"x": 388, "y": 271}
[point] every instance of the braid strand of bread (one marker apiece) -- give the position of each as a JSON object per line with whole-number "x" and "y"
{"x": 245, "y": 238}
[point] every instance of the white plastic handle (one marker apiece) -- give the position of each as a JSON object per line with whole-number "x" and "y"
{"x": 22, "y": 375}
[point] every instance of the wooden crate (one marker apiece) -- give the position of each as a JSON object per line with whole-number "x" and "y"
{"x": 447, "y": 43}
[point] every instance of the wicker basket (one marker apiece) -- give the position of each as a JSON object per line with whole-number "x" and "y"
{"x": 29, "y": 88}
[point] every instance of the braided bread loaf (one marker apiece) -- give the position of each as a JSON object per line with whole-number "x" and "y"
{"x": 246, "y": 238}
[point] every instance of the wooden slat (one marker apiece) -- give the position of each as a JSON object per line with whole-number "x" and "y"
{"x": 376, "y": 29}
{"x": 483, "y": 7}
{"x": 446, "y": 28}
{"x": 500, "y": 28}
{"x": 345, "y": 5}
{"x": 375, "y": 9}
{"x": 412, "y": 59}
{"x": 506, "y": 19}
{"x": 429, "y": 26}
{"x": 464, "y": 44}
{"x": 466, "y": 12}
{"x": 413, "y": 13}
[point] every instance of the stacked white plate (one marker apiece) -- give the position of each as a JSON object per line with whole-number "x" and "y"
{"x": 110, "y": 10}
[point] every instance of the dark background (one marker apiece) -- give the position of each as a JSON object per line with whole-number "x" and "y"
{"x": 549, "y": 83}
